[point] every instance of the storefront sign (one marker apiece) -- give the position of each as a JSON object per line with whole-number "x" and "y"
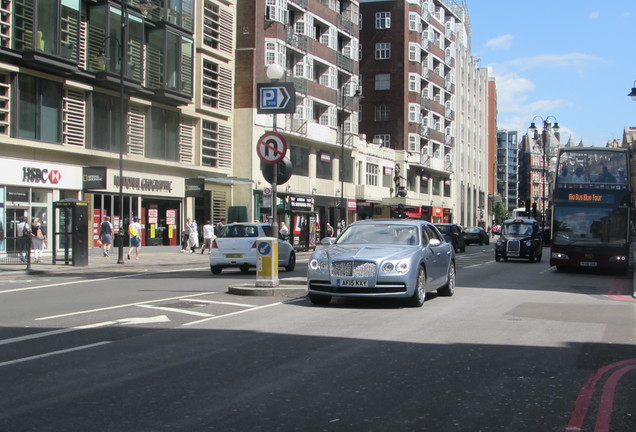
{"x": 301, "y": 204}
{"x": 19, "y": 172}
{"x": 94, "y": 178}
{"x": 144, "y": 184}
{"x": 195, "y": 187}
{"x": 171, "y": 217}
{"x": 153, "y": 214}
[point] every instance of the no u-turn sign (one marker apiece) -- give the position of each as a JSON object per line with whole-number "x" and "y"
{"x": 271, "y": 147}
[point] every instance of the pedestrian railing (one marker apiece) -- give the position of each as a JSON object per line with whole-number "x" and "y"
{"x": 15, "y": 251}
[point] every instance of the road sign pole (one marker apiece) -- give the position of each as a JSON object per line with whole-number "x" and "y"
{"x": 274, "y": 186}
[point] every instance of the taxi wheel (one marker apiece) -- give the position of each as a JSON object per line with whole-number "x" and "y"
{"x": 497, "y": 258}
{"x": 531, "y": 256}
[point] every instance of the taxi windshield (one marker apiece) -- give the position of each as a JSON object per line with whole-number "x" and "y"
{"x": 516, "y": 228}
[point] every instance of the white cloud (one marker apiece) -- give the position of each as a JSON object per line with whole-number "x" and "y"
{"x": 502, "y": 42}
{"x": 593, "y": 15}
{"x": 556, "y": 61}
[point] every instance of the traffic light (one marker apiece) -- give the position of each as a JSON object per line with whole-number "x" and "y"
{"x": 400, "y": 212}
{"x": 534, "y": 210}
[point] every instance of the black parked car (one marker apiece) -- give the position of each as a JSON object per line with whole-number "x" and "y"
{"x": 452, "y": 234}
{"x": 476, "y": 235}
{"x": 519, "y": 238}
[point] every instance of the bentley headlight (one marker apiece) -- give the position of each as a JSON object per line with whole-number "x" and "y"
{"x": 402, "y": 267}
{"x": 315, "y": 265}
{"x": 387, "y": 267}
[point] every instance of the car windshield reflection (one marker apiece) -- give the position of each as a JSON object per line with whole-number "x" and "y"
{"x": 379, "y": 234}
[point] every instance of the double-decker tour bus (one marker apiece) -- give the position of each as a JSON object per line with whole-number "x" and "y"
{"x": 591, "y": 209}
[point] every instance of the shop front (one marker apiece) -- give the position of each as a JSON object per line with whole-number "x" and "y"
{"x": 305, "y": 222}
{"x": 28, "y": 190}
{"x": 156, "y": 199}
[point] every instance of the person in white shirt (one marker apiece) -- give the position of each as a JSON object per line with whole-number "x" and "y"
{"x": 208, "y": 236}
{"x": 134, "y": 232}
{"x": 283, "y": 231}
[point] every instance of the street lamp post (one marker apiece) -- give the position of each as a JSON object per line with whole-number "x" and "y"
{"x": 275, "y": 72}
{"x": 543, "y": 140}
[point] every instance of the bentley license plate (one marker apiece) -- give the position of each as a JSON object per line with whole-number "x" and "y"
{"x": 588, "y": 264}
{"x": 353, "y": 283}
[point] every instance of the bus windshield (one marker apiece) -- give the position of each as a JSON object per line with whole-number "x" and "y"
{"x": 590, "y": 225}
{"x": 590, "y": 167}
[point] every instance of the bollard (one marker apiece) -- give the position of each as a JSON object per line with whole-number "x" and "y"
{"x": 266, "y": 262}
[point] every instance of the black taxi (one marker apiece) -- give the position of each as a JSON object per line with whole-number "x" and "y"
{"x": 519, "y": 238}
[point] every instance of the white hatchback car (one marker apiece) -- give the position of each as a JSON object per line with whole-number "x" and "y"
{"x": 235, "y": 246}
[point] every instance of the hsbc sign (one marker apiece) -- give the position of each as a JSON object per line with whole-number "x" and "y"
{"x": 42, "y": 176}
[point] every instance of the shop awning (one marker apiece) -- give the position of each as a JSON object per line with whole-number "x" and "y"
{"x": 228, "y": 180}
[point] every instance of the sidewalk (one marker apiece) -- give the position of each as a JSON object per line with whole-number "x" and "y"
{"x": 150, "y": 257}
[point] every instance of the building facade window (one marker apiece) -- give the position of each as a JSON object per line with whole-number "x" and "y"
{"x": 299, "y": 157}
{"x": 105, "y": 122}
{"x": 382, "y": 20}
{"x": 385, "y": 139}
{"x": 414, "y": 113}
{"x": 170, "y": 61}
{"x": 373, "y": 171}
{"x": 383, "y": 81}
{"x": 218, "y": 27}
{"x": 382, "y": 112}
{"x": 47, "y": 26}
{"x": 415, "y": 52}
{"x": 39, "y": 109}
{"x": 414, "y": 82}
{"x": 163, "y": 140}
{"x": 383, "y": 51}
{"x": 324, "y": 165}
{"x": 104, "y": 40}
{"x": 216, "y": 145}
{"x": 414, "y": 22}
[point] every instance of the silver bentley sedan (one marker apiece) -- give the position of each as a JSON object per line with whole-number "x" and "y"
{"x": 383, "y": 259}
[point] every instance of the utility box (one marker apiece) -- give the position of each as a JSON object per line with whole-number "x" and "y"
{"x": 70, "y": 232}
{"x": 266, "y": 262}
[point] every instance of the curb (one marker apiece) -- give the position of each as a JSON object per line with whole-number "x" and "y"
{"x": 279, "y": 291}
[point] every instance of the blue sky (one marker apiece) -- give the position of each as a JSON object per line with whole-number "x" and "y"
{"x": 574, "y": 60}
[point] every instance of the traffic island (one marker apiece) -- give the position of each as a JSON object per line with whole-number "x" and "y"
{"x": 291, "y": 287}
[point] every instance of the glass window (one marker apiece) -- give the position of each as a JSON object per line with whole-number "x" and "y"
{"x": 163, "y": 140}
{"x": 47, "y": 26}
{"x": 372, "y": 174}
{"x": 299, "y": 157}
{"x": 105, "y": 121}
{"x": 382, "y": 20}
{"x": 170, "y": 61}
{"x": 39, "y": 109}
{"x": 383, "y": 82}
{"x": 382, "y": 112}
{"x": 383, "y": 51}
{"x": 324, "y": 165}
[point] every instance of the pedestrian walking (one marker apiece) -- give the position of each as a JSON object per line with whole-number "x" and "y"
{"x": 329, "y": 230}
{"x": 23, "y": 238}
{"x": 208, "y": 236}
{"x": 134, "y": 230}
{"x": 106, "y": 235}
{"x": 38, "y": 239}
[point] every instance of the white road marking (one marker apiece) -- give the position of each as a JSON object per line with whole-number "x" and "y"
{"x": 65, "y": 283}
{"x": 218, "y": 302}
{"x": 53, "y": 332}
{"x": 52, "y": 353}
{"x": 117, "y": 307}
{"x": 242, "y": 311}
{"x": 177, "y": 310}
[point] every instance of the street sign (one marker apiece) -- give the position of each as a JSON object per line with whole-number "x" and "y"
{"x": 271, "y": 148}
{"x": 276, "y": 98}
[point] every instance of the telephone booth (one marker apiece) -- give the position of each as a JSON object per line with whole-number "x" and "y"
{"x": 70, "y": 232}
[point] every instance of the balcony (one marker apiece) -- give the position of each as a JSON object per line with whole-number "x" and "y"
{"x": 300, "y": 42}
{"x": 345, "y": 63}
{"x": 435, "y": 78}
{"x": 345, "y": 24}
